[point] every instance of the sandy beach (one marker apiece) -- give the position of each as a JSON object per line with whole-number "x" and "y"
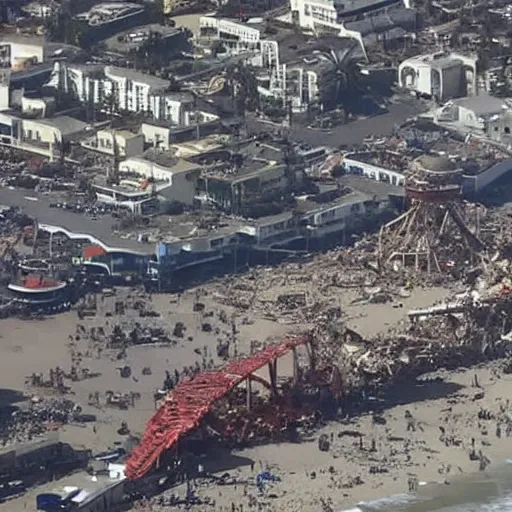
{"x": 428, "y": 432}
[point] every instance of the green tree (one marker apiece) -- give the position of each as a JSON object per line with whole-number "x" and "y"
{"x": 345, "y": 84}
{"x": 217, "y": 47}
{"x": 244, "y": 87}
{"x": 65, "y": 100}
{"x": 64, "y": 28}
{"x": 339, "y": 83}
{"x": 155, "y": 12}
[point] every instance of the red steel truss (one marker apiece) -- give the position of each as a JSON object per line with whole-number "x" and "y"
{"x": 185, "y": 406}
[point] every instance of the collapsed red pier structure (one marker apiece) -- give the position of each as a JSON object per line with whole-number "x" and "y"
{"x": 185, "y": 406}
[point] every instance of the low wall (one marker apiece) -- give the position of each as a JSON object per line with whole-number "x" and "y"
{"x": 474, "y": 184}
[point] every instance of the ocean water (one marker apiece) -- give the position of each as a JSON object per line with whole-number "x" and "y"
{"x": 482, "y": 492}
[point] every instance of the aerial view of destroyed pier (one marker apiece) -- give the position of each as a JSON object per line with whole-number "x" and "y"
{"x": 255, "y": 256}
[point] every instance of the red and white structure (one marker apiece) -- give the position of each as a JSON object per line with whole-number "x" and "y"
{"x": 436, "y": 214}
{"x": 39, "y": 291}
{"x": 185, "y": 407}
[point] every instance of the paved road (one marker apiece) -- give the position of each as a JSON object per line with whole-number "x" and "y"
{"x": 349, "y": 134}
{"x": 75, "y": 222}
{"x": 352, "y": 133}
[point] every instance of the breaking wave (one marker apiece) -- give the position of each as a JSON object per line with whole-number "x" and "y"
{"x": 400, "y": 502}
{"x": 396, "y": 500}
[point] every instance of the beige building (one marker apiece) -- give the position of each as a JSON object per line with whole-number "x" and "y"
{"x": 439, "y": 75}
{"x": 474, "y": 114}
{"x": 175, "y": 181}
{"x": 128, "y": 144}
{"x": 42, "y": 136}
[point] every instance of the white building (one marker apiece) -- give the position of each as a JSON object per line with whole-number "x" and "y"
{"x": 367, "y": 21}
{"x": 40, "y": 9}
{"x": 134, "y": 91}
{"x": 123, "y": 90}
{"x": 175, "y": 182}
{"x": 479, "y": 115}
{"x": 19, "y": 53}
{"x": 195, "y": 125}
{"x": 43, "y": 136}
{"x": 128, "y": 144}
{"x": 233, "y": 33}
{"x": 439, "y": 75}
{"x": 238, "y": 37}
{"x": 37, "y": 107}
{"x": 5, "y": 80}
{"x": 358, "y": 167}
{"x": 110, "y": 12}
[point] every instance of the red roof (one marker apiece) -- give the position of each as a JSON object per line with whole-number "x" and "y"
{"x": 91, "y": 251}
{"x": 186, "y": 405}
{"x": 36, "y": 282}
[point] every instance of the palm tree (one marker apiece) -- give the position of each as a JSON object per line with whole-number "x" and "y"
{"x": 109, "y": 104}
{"x": 340, "y": 82}
{"x": 244, "y": 87}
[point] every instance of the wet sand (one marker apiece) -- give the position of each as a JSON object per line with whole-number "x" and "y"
{"x": 341, "y": 475}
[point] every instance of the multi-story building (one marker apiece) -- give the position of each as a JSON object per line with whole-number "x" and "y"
{"x": 122, "y": 143}
{"x": 134, "y": 91}
{"x": 120, "y": 89}
{"x": 109, "y": 13}
{"x": 43, "y": 136}
{"x": 144, "y": 183}
{"x": 439, "y": 75}
{"x": 367, "y": 21}
{"x": 238, "y": 37}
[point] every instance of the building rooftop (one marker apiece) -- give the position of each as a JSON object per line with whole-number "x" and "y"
{"x": 163, "y": 30}
{"x": 435, "y": 163}
{"x": 167, "y": 159}
{"x": 392, "y": 160}
{"x": 351, "y": 5}
{"x": 134, "y": 192}
{"x": 65, "y": 124}
{"x": 51, "y": 48}
{"x": 131, "y": 39}
{"x": 154, "y": 82}
{"x": 309, "y": 206}
{"x": 482, "y": 105}
{"x": 370, "y": 187}
{"x": 109, "y": 11}
{"x": 445, "y": 59}
{"x": 444, "y": 63}
{"x": 89, "y": 69}
{"x": 125, "y": 134}
{"x": 241, "y": 160}
{"x": 90, "y": 486}
{"x": 194, "y": 148}
{"x": 195, "y": 226}
{"x": 403, "y": 20}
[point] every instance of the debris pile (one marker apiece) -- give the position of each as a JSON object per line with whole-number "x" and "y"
{"x": 36, "y": 418}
